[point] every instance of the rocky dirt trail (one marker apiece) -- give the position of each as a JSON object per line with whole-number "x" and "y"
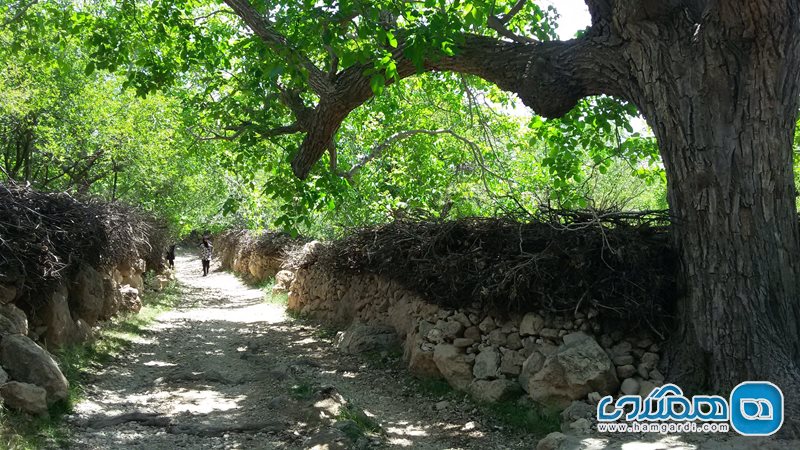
{"x": 226, "y": 369}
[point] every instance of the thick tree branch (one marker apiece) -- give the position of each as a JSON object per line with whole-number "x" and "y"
{"x": 549, "y": 77}
{"x": 264, "y": 29}
{"x": 239, "y": 130}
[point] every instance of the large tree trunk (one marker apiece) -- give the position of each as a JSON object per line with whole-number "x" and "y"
{"x": 719, "y": 82}
{"x": 723, "y": 105}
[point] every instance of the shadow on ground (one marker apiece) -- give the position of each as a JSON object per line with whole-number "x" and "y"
{"x": 226, "y": 369}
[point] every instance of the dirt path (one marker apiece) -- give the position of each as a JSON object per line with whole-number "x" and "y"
{"x": 226, "y": 369}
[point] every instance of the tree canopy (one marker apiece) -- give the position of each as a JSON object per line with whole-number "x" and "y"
{"x": 178, "y": 101}
{"x": 316, "y": 116}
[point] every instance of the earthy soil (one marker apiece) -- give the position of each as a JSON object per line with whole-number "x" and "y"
{"x": 228, "y": 370}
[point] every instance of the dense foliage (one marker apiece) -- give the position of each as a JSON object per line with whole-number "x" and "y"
{"x": 172, "y": 105}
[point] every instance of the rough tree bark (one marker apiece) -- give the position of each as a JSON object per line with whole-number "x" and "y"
{"x": 719, "y": 82}
{"x": 722, "y": 97}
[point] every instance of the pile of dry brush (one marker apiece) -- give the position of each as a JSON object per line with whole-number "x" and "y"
{"x": 45, "y": 237}
{"x": 622, "y": 264}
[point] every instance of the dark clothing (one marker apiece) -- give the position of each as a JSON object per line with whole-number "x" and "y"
{"x": 205, "y": 255}
{"x": 171, "y": 256}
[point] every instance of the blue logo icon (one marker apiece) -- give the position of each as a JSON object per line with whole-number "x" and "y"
{"x": 756, "y": 408}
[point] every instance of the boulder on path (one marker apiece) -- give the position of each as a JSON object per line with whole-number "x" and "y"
{"x": 454, "y": 365}
{"x": 360, "y": 338}
{"x": 577, "y": 368}
{"x": 24, "y": 397}
{"x": 27, "y": 362}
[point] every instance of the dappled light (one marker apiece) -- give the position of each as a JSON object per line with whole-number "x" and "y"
{"x": 228, "y": 368}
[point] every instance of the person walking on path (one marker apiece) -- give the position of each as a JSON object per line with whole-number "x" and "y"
{"x": 205, "y": 254}
{"x": 171, "y": 256}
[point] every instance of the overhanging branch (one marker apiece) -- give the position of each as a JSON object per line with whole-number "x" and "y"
{"x": 549, "y": 77}
{"x": 264, "y": 29}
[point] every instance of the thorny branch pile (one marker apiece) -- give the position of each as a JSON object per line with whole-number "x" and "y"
{"x": 621, "y": 264}
{"x": 46, "y": 236}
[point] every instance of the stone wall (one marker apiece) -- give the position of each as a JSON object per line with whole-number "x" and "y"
{"x": 554, "y": 358}
{"x": 30, "y": 379}
{"x": 255, "y": 256}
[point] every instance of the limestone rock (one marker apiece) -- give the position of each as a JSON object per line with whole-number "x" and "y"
{"x": 86, "y": 294}
{"x": 581, "y": 426}
{"x": 649, "y": 361}
{"x": 623, "y": 360}
{"x": 549, "y": 333}
{"x": 473, "y": 333}
{"x": 360, "y": 338}
{"x": 623, "y": 348}
{"x": 435, "y": 335}
{"x": 3, "y": 376}
{"x": 630, "y": 386}
{"x": 511, "y": 363}
{"x": 532, "y": 364}
{"x": 420, "y": 360}
{"x": 462, "y": 318}
{"x": 12, "y": 320}
{"x": 487, "y": 325}
{"x": 7, "y": 294}
{"x": 578, "y": 410}
{"x": 513, "y": 341}
{"x": 57, "y": 318}
{"x": 83, "y": 332}
{"x": 574, "y": 338}
{"x": 424, "y": 327}
{"x": 495, "y": 390}
{"x": 646, "y": 387}
{"x": 283, "y": 281}
{"x": 463, "y": 342}
{"x": 24, "y": 397}
{"x": 454, "y": 366}
{"x": 531, "y": 325}
{"x": 553, "y": 441}
{"x": 451, "y": 329}
{"x": 625, "y": 371}
{"x": 486, "y": 364}
{"x": 161, "y": 282}
{"x": 130, "y": 300}
{"x": 27, "y": 362}
{"x": 112, "y": 297}
{"x": 572, "y": 372}
{"x": 656, "y": 375}
{"x": 498, "y": 338}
